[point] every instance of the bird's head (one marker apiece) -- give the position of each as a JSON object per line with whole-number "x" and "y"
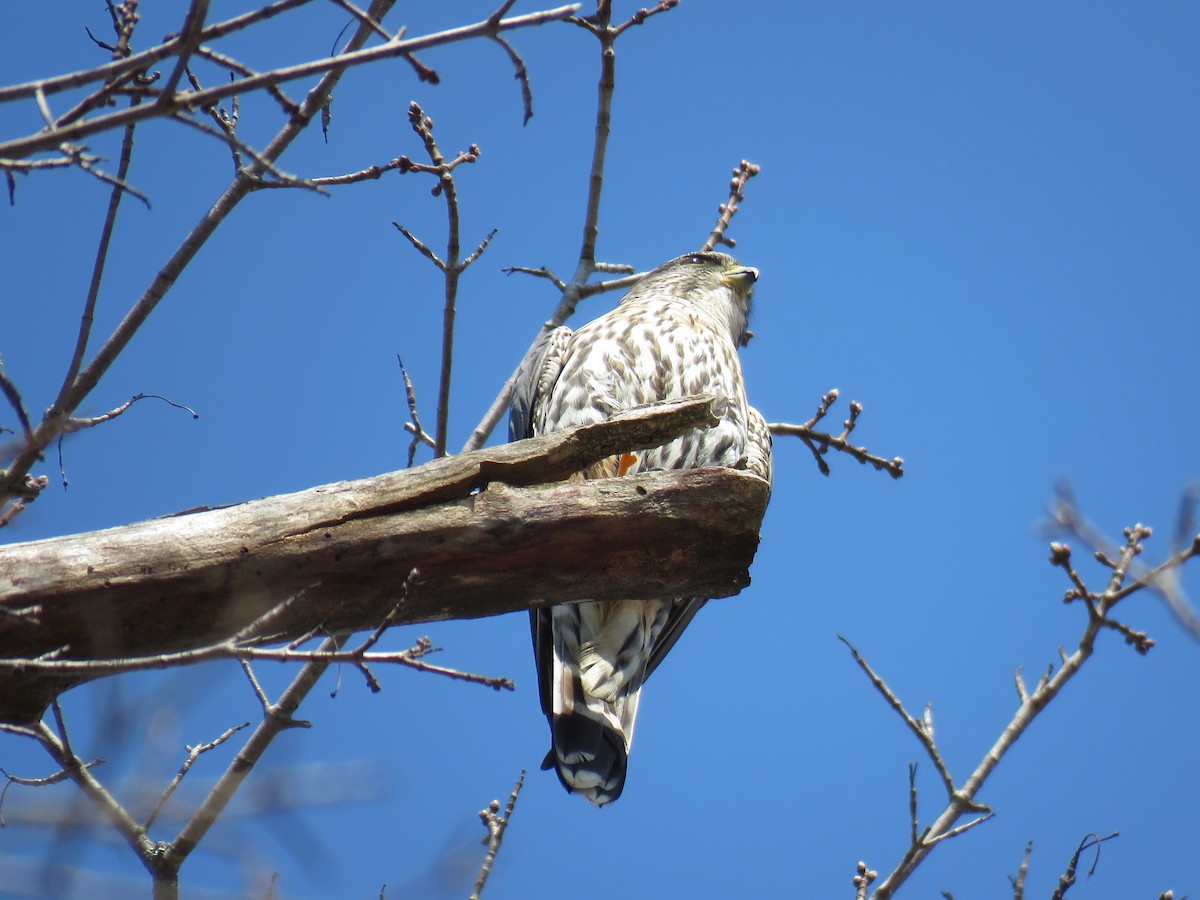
{"x": 712, "y": 281}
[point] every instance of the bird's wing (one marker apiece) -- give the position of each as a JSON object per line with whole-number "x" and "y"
{"x": 758, "y": 445}
{"x": 682, "y": 612}
{"x": 538, "y": 372}
{"x": 757, "y": 460}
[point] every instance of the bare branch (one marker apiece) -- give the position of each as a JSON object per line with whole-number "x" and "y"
{"x": 863, "y": 879}
{"x": 14, "y": 399}
{"x": 277, "y": 718}
{"x": 1119, "y": 560}
{"x": 924, "y": 736}
{"x": 543, "y": 272}
{"x": 190, "y": 37}
{"x": 194, "y": 754}
{"x": 820, "y": 442}
{"x": 1018, "y": 882}
{"x": 242, "y": 184}
{"x": 1067, "y": 879}
{"x": 89, "y": 307}
{"x": 495, "y": 825}
{"x": 126, "y": 65}
{"x": 328, "y": 66}
{"x": 80, "y": 773}
{"x": 73, "y": 424}
{"x": 452, "y": 268}
{"x": 727, "y": 210}
{"x": 367, "y": 174}
{"x": 413, "y": 427}
{"x": 643, "y": 14}
{"x": 519, "y": 73}
{"x": 226, "y": 569}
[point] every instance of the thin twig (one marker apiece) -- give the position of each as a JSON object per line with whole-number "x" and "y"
{"x": 14, "y": 399}
{"x": 194, "y": 754}
{"x": 452, "y": 267}
{"x": 727, "y": 210}
{"x": 413, "y": 427}
{"x": 53, "y": 663}
{"x": 277, "y": 718}
{"x": 329, "y": 66}
{"x": 73, "y": 424}
{"x": 241, "y": 186}
{"x": 1120, "y": 563}
{"x": 495, "y": 825}
{"x": 1018, "y": 881}
{"x": 106, "y": 230}
{"x": 914, "y": 726}
{"x": 521, "y": 74}
{"x": 820, "y": 442}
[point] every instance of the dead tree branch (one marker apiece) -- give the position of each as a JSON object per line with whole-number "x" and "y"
{"x": 83, "y": 378}
{"x": 452, "y": 267}
{"x": 495, "y": 825}
{"x": 1123, "y": 579}
{"x": 820, "y": 442}
{"x": 489, "y": 532}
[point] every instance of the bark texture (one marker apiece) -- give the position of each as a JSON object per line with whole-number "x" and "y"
{"x": 488, "y": 532}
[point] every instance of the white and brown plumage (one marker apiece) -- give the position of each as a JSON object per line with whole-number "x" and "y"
{"x": 675, "y": 334}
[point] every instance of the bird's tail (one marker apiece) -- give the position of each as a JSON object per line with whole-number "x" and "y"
{"x": 592, "y": 684}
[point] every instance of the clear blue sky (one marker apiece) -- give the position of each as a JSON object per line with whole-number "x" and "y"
{"x": 981, "y": 221}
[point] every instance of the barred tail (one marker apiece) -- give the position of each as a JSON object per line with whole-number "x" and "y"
{"x": 589, "y": 755}
{"x": 592, "y": 659}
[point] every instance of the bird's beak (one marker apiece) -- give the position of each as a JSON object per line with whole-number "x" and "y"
{"x": 741, "y": 279}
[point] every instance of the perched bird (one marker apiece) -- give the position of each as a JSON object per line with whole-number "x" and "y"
{"x": 675, "y": 334}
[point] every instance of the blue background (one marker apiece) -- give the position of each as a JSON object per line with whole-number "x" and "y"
{"x": 979, "y": 220}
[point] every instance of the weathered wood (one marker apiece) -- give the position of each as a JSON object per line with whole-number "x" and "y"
{"x": 485, "y": 532}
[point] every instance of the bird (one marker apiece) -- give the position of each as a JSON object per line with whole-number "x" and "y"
{"x": 676, "y": 333}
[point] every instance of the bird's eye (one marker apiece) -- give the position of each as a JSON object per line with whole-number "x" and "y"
{"x": 696, "y": 259}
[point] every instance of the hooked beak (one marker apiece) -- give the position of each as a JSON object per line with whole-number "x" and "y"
{"x": 741, "y": 279}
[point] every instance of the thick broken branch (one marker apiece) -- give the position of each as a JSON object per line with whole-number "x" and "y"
{"x": 487, "y": 531}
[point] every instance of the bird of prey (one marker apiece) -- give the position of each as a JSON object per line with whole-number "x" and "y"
{"x": 675, "y": 334}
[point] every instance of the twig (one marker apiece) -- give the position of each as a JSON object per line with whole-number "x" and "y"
{"x": 370, "y": 173}
{"x": 72, "y": 424}
{"x": 495, "y": 825}
{"x": 190, "y": 37}
{"x": 1018, "y": 881}
{"x": 286, "y": 103}
{"x": 364, "y": 18}
{"x": 452, "y": 267}
{"x": 923, "y": 735}
{"x": 276, "y": 719}
{"x": 79, "y": 772}
{"x": 14, "y": 399}
{"x": 413, "y": 427}
{"x": 194, "y": 754}
{"x": 89, "y": 306}
{"x": 226, "y": 136}
{"x": 242, "y": 184}
{"x": 1120, "y": 563}
{"x": 1163, "y": 578}
{"x": 1067, "y": 879}
{"x": 727, "y": 210}
{"x": 820, "y": 442}
{"x": 59, "y": 776}
{"x": 333, "y": 66}
{"x": 52, "y": 663}
{"x": 863, "y": 879}
{"x": 520, "y": 73}
{"x": 543, "y": 272}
